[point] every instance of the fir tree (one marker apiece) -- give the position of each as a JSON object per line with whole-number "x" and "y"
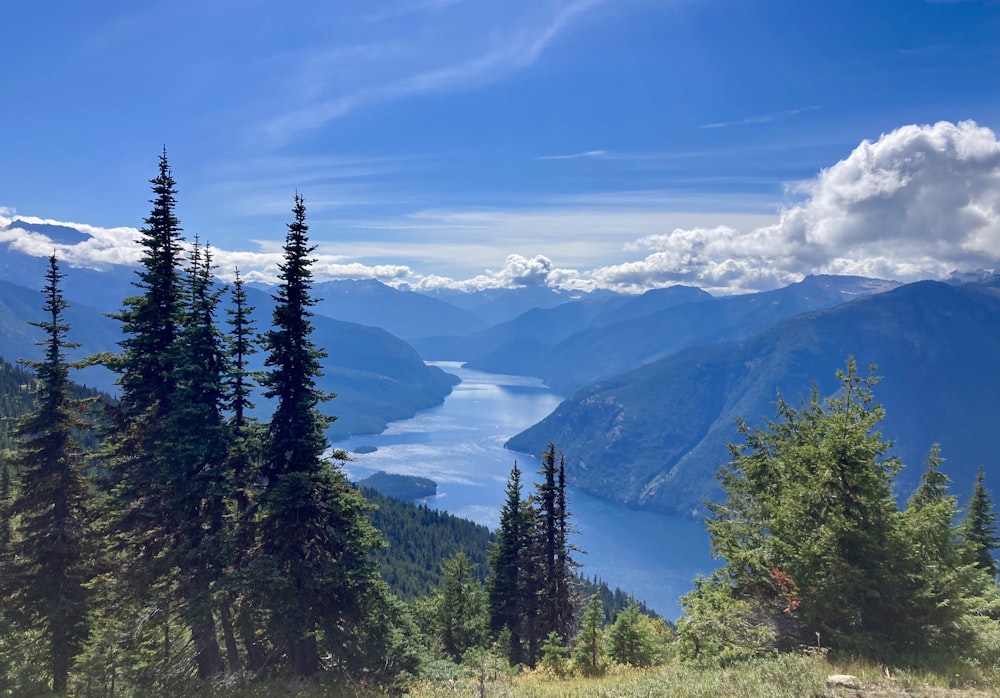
{"x": 504, "y": 587}
{"x": 52, "y": 551}
{"x": 979, "y": 529}
{"x": 636, "y": 639}
{"x": 139, "y": 506}
{"x": 196, "y": 457}
{"x": 937, "y": 588}
{"x": 151, "y": 319}
{"x": 315, "y": 536}
{"x": 809, "y": 506}
{"x": 243, "y": 465}
{"x": 933, "y": 483}
{"x": 460, "y": 607}
{"x": 168, "y": 442}
{"x": 588, "y": 655}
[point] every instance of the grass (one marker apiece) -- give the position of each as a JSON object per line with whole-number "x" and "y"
{"x": 790, "y": 676}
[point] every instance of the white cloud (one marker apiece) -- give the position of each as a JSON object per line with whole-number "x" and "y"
{"x": 100, "y": 248}
{"x": 918, "y": 202}
{"x": 515, "y": 39}
{"x": 517, "y": 271}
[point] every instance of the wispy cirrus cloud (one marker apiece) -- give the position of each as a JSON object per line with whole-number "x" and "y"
{"x": 761, "y": 118}
{"x": 494, "y": 52}
{"x": 574, "y": 156}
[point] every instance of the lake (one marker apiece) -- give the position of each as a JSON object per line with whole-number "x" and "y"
{"x": 459, "y": 445}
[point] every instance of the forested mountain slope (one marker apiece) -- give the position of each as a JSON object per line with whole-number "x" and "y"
{"x": 609, "y": 349}
{"x": 653, "y": 437}
{"x": 377, "y": 376}
{"x": 18, "y": 340}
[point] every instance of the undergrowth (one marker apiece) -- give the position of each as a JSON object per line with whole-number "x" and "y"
{"x": 781, "y": 676}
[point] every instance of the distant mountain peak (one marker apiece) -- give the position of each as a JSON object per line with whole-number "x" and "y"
{"x": 61, "y": 234}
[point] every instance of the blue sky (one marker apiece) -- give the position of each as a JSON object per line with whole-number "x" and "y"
{"x": 732, "y": 144}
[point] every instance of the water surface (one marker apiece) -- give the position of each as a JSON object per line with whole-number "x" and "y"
{"x": 459, "y": 445}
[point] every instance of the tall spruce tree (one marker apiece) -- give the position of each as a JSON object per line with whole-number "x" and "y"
{"x": 315, "y": 535}
{"x": 243, "y": 464}
{"x": 557, "y": 606}
{"x": 53, "y": 547}
{"x": 168, "y": 442}
{"x": 139, "y": 505}
{"x": 199, "y": 482}
{"x": 150, "y": 320}
{"x": 938, "y": 587}
{"x": 979, "y": 529}
{"x": 242, "y": 344}
{"x": 504, "y": 583}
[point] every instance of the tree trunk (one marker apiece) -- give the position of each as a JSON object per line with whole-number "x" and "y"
{"x": 232, "y": 651}
{"x": 207, "y": 646}
{"x": 255, "y": 655}
{"x": 305, "y": 655}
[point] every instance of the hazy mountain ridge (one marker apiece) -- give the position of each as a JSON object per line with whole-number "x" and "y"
{"x": 19, "y": 340}
{"x": 577, "y": 343}
{"x": 378, "y": 377}
{"x": 405, "y": 314}
{"x": 600, "y": 352}
{"x": 653, "y": 437}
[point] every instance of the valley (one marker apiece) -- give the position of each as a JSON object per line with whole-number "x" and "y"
{"x": 460, "y": 446}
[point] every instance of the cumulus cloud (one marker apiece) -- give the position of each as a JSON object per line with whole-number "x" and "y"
{"x": 917, "y": 203}
{"x": 719, "y": 259}
{"x": 518, "y": 271}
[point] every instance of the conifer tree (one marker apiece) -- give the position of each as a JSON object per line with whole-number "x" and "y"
{"x": 315, "y": 535}
{"x": 52, "y": 550}
{"x": 546, "y": 495}
{"x": 168, "y": 442}
{"x": 504, "y": 585}
{"x": 242, "y": 344}
{"x": 979, "y": 529}
{"x": 460, "y": 607}
{"x": 151, "y": 319}
{"x": 243, "y": 465}
{"x": 588, "y": 655}
{"x": 938, "y": 587}
{"x": 636, "y": 639}
{"x": 563, "y": 601}
{"x": 196, "y": 449}
{"x": 531, "y": 582}
{"x": 808, "y": 509}
{"x": 139, "y": 506}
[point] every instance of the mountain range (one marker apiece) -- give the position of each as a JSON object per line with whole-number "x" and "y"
{"x": 581, "y": 342}
{"x": 655, "y": 381}
{"x": 653, "y": 437}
